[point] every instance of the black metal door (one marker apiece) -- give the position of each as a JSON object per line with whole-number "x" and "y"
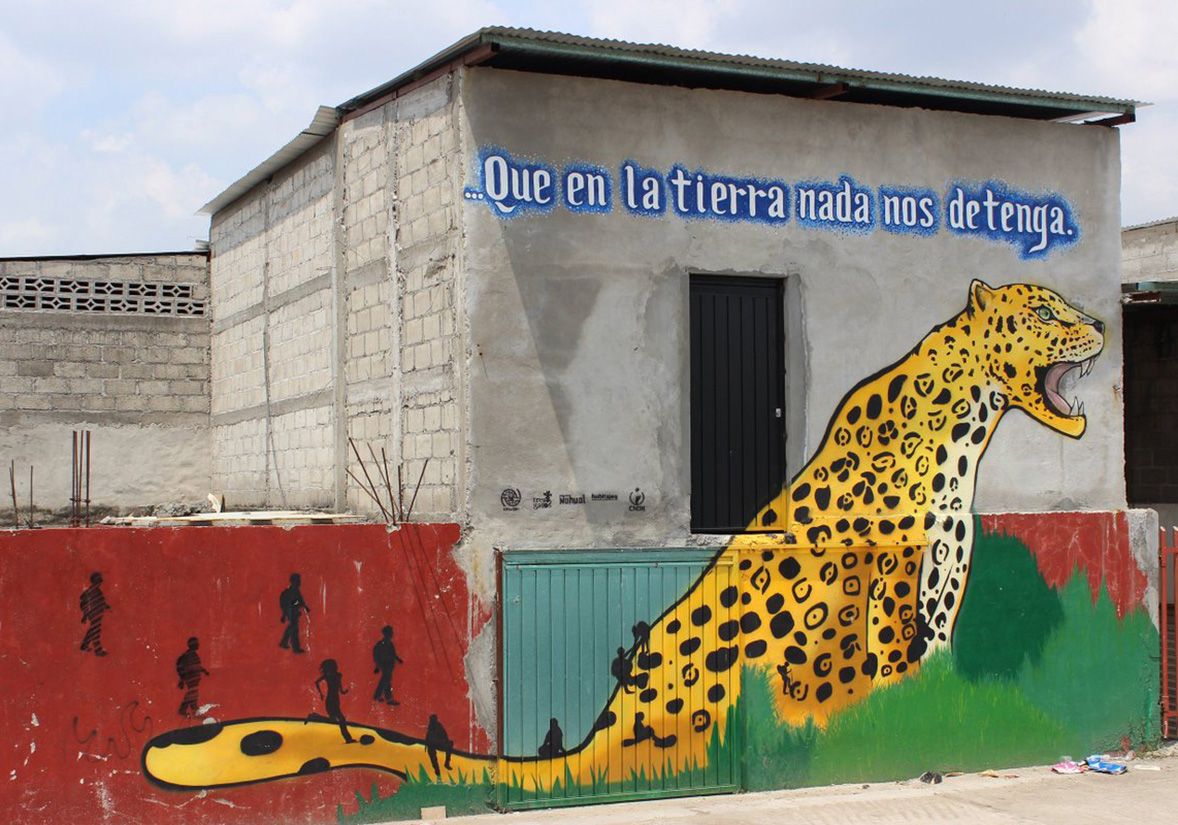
{"x": 737, "y": 400}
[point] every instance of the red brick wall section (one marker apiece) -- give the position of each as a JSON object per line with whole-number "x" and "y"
{"x": 1096, "y": 543}
{"x": 74, "y": 723}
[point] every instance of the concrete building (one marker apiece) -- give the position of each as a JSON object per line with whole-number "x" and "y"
{"x": 117, "y": 345}
{"x": 1150, "y": 284}
{"x": 700, "y": 360}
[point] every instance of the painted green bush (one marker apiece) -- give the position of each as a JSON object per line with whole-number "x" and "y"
{"x": 1008, "y": 612}
{"x": 1098, "y": 674}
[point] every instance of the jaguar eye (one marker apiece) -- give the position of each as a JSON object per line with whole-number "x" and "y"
{"x": 1045, "y": 313}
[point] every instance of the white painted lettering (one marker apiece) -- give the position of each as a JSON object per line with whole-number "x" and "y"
{"x": 574, "y": 187}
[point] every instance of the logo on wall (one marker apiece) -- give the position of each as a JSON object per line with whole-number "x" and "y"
{"x": 510, "y": 499}
{"x": 571, "y": 499}
{"x": 604, "y": 497}
{"x": 542, "y": 502}
{"x": 637, "y": 501}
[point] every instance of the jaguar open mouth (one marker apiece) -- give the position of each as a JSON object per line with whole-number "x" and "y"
{"x": 1051, "y": 378}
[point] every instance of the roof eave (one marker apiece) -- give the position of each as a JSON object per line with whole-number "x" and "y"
{"x": 321, "y": 126}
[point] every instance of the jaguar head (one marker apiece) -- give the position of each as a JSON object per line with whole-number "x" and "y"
{"x": 1036, "y": 345}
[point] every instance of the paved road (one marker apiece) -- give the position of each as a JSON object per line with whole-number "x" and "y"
{"x": 1019, "y": 796}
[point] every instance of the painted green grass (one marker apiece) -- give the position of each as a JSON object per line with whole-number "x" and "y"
{"x": 1098, "y": 674}
{"x": 775, "y": 755}
{"x": 469, "y": 796}
{"x": 935, "y": 720}
{"x": 720, "y": 768}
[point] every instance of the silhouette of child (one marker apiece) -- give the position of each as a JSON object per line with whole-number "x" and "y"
{"x": 329, "y": 675}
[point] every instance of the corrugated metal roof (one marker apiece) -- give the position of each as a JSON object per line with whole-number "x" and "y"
{"x": 652, "y": 63}
{"x": 506, "y": 39}
{"x": 322, "y": 125}
{"x": 1151, "y": 224}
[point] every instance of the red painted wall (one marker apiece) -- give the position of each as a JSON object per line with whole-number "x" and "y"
{"x": 74, "y": 724}
{"x": 1095, "y": 543}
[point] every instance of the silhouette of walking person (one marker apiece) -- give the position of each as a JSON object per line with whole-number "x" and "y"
{"x": 553, "y": 745}
{"x": 93, "y": 605}
{"x": 189, "y": 669}
{"x": 437, "y": 740}
{"x": 292, "y": 605}
{"x": 329, "y": 675}
{"x": 384, "y": 655}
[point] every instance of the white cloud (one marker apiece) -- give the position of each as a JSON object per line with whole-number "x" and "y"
{"x": 687, "y": 23}
{"x": 1130, "y": 46}
{"x": 139, "y": 111}
{"x": 25, "y": 233}
{"x": 26, "y": 80}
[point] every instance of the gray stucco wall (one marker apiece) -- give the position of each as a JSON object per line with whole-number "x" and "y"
{"x": 578, "y": 342}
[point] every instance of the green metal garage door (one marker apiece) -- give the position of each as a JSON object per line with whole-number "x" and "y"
{"x": 564, "y": 617}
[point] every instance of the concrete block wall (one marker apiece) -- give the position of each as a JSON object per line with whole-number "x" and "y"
{"x": 335, "y": 315}
{"x": 118, "y": 345}
{"x": 401, "y": 175}
{"x": 272, "y": 341}
{"x": 1150, "y": 252}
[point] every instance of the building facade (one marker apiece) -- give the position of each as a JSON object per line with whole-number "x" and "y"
{"x": 768, "y": 416}
{"x": 117, "y": 345}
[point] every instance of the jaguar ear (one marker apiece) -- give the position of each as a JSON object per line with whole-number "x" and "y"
{"x": 980, "y": 294}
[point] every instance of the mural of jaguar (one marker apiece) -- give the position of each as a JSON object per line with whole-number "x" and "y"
{"x": 850, "y": 577}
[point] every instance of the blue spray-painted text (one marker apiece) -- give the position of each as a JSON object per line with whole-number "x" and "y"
{"x": 1031, "y": 224}
{"x": 1034, "y": 224}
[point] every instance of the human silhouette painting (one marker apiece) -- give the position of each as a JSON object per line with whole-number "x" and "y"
{"x": 553, "y": 744}
{"x": 437, "y": 740}
{"x": 643, "y": 732}
{"x": 330, "y": 677}
{"x": 189, "y": 669}
{"x": 384, "y": 655}
{"x": 622, "y": 670}
{"x": 93, "y": 605}
{"x": 292, "y": 605}
{"x": 641, "y": 633}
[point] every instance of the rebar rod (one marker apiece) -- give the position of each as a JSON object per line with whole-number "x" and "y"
{"x": 12, "y": 481}
{"x": 413, "y": 500}
{"x": 87, "y": 478}
{"x": 383, "y": 511}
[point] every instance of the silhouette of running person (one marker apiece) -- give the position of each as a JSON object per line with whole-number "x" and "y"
{"x": 553, "y": 742}
{"x": 329, "y": 675}
{"x": 292, "y": 605}
{"x": 643, "y": 731}
{"x": 386, "y": 658}
{"x": 93, "y": 605}
{"x": 437, "y": 740}
{"x": 189, "y": 669}
{"x": 622, "y": 669}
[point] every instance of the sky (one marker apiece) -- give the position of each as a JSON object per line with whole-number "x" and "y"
{"x": 125, "y": 117}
